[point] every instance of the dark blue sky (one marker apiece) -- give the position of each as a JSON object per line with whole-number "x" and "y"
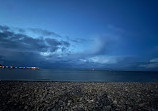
{"x": 108, "y": 34}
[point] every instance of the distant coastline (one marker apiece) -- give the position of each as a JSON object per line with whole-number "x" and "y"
{"x": 13, "y": 67}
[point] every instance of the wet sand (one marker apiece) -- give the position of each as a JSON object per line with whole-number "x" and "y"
{"x": 78, "y": 96}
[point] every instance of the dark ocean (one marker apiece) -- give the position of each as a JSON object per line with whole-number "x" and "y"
{"x": 77, "y": 75}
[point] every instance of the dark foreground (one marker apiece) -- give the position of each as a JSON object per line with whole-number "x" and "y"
{"x": 78, "y": 96}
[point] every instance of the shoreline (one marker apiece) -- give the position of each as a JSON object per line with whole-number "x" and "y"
{"x": 74, "y": 96}
{"x": 76, "y": 81}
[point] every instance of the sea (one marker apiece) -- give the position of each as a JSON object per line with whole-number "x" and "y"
{"x": 77, "y": 75}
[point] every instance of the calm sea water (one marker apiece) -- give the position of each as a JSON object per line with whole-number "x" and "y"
{"x": 77, "y": 75}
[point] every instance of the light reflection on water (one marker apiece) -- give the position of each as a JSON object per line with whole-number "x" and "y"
{"x": 77, "y": 75}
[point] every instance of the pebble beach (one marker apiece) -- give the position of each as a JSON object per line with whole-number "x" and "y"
{"x": 78, "y": 96}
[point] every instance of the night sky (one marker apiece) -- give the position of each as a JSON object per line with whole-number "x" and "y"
{"x": 103, "y": 34}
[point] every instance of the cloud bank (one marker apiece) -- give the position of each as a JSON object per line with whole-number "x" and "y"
{"x": 47, "y": 49}
{"x": 22, "y": 48}
{"x": 152, "y": 64}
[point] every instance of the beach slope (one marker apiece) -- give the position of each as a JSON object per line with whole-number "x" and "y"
{"x": 78, "y": 96}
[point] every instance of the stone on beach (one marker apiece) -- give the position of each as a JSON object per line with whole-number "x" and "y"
{"x": 78, "y": 96}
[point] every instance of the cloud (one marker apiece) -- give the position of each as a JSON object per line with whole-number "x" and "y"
{"x": 24, "y": 48}
{"x": 113, "y": 62}
{"x": 83, "y": 60}
{"x": 20, "y": 42}
{"x": 150, "y": 65}
{"x": 20, "y": 47}
{"x": 97, "y": 45}
{"x": 153, "y": 63}
{"x": 154, "y": 60}
{"x": 4, "y": 28}
{"x": 103, "y": 60}
{"x": 44, "y": 32}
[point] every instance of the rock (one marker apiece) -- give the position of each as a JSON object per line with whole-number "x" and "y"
{"x": 25, "y": 107}
{"x": 115, "y": 102}
{"x": 107, "y": 108}
{"x": 142, "y": 104}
